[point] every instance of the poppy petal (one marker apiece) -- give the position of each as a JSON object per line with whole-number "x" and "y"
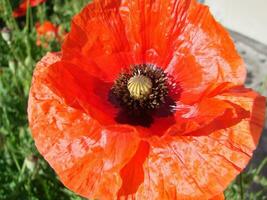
{"x": 132, "y": 174}
{"x": 209, "y": 114}
{"x": 98, "y": 41}
{"x": 80, "y": 90}
{"x": 179, "y": 36}
{"x": 198, "y": 167}
{"x": 192, "y": 153}
{"x": 112, "y": 34}
{"x": 83, "y": 91}
{"x": 72, "y": 138}
{"x": 85, "y": 155}
{"x": 206, "y": 116}
{"x": 218, "y": 197}
{"x": 203, "y": 54}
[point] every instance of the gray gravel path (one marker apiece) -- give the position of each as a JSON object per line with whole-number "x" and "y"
{"x": 255, "y": 56}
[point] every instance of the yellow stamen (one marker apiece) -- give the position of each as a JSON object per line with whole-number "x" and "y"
{"x": 139, "y": 86}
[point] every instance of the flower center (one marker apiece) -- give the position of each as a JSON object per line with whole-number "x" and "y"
{"x": 139, "y": 87}
{"x": 143, "y": 89}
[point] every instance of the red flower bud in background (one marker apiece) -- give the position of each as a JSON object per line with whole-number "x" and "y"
{"x": 47, "y": 32}
{"x": 22, "y": 8}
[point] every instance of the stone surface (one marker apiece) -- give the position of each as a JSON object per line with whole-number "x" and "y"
{"x": 255, "y": 56}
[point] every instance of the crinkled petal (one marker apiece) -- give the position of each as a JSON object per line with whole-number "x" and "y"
{"x": 183, "y": 38}
{"x": 89, "y": 60}
{"x": 81, "y": 90}
{"x": 87, "y": 157}
{"x": 211, "y": 113}
{"x": 97, "y": 42}
{"x": 208, "y": 114}
{"x": 201, "y": 148}
{"x": 218, "y": 197}
{"x": 199, "y": 166}
{"x": 212, "y": 51}
{"x": 179, "y": 36}
{"x": 132, "y": 173}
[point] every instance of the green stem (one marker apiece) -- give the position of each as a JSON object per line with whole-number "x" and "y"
{"x": 42, "y": 12}
{"x": 8, "y": 16}
{"x": 263, "y": 163}
{"x": 241, "y": 186}
{"x": 13, "y": 156}
{"x": 28, "y": 27}
{"x": 16, "y": 56}
{"x": 22, "y": 170}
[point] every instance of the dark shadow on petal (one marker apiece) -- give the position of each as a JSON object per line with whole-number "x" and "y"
{"x": 257, "y": 118}
{"x": 228, "y": 119}
{"x": 133, "y": 118}
{"x": 132, "y": 174}
{"x": 141, "y": 117}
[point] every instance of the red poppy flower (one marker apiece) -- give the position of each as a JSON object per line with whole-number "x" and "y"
{"x": 23, "y": 6}
{"x": 46, "y": 32}
{"x": 145, "y": 101}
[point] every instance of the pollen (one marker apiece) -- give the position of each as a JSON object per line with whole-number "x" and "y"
{"x": 139, "y": 87}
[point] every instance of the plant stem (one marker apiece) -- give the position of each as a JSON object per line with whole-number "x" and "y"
{"x": 28, "y": 27}
{"x": 8, "y": 16}
{"x": 241, "y": 186}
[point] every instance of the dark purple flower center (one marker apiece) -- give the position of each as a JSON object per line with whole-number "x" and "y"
{"x": 143, "y": 89}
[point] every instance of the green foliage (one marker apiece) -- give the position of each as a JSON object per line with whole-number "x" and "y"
{"x": 250, "y": 185}
{"x": 24, "y": 174}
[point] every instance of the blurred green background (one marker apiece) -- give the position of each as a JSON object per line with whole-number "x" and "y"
{"x": 24, "y": 174}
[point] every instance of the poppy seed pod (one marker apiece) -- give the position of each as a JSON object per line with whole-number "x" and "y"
{"x": 146, "y": 100}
